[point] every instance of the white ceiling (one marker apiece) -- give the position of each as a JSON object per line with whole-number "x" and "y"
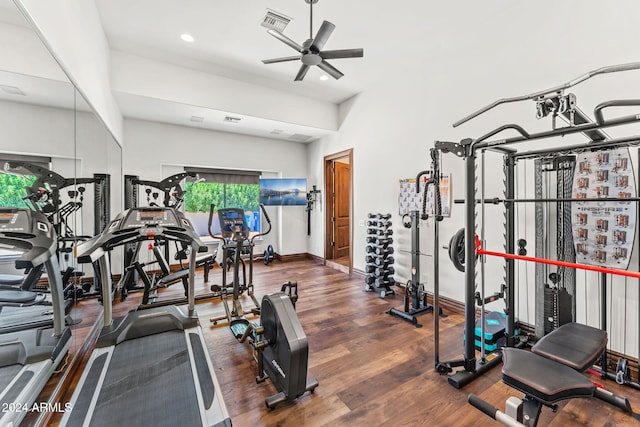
{"x": 230, "y": 42}
{"x": 401, "y": 40}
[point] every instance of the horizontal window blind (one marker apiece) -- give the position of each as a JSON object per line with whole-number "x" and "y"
{"x": 226, "y": 176}
{"x": 41, "y": 161}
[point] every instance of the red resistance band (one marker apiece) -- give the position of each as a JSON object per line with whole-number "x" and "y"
{"x": 615, "y": 271}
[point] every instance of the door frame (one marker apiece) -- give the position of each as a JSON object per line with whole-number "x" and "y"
{"x": 328, "y": 160}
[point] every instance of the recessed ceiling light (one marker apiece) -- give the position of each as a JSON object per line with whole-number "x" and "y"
{"x": 324, "y": 77}
{"x": 187, "y": 38}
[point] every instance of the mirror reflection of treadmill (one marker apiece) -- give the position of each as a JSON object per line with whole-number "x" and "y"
{"x": 149, "y": 367}
{"x": 29, "y": 357}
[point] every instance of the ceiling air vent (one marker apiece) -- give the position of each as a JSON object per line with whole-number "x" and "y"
{"x": 300, "y": 137}
{"x": 197, "y": 119}
{"x": 276, "y": 132}
{"x": 275, "y": 20}
{"x": 230, "y": 119}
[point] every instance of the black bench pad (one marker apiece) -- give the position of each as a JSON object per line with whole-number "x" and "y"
{"x": 541, "y": 378}
{"x": 16, "y": 296}
{"x": 11, "y": 279}
{"x": 573, "y": 344}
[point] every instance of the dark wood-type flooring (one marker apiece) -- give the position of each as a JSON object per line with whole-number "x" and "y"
{"x": 373, "y": 369}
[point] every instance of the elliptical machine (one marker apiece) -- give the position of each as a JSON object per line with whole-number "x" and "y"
{"x": 236, "y": 239}
{"x": 279, "y": 344}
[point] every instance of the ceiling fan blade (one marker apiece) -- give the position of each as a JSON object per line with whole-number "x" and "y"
{"x": 323, "y": 35}
{"x": 284, "y": 39}
{"x": 330, "y": 69}
{"x": 343, "y": 53}
{"x": 284, "y": 59}
{"x": 302, "y": 72}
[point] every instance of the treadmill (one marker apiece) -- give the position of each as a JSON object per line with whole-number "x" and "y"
{"x": 149, "y": 367}
{"x": 29, "y": 357}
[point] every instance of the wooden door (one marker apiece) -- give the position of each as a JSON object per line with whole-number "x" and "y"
{"x": 342, "y": 209}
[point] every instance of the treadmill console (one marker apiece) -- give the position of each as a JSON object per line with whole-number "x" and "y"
{"x": 232, "y": 223}
{"x": 30, "y": 232}
{"x": 22, "y": 221}
{"x": 149, "y": 218}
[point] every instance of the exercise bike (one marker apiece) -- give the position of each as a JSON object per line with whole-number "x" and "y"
{"x": 279, "y": 344}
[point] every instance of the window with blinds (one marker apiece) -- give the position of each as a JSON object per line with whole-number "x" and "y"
{"x": 223, "y": 189}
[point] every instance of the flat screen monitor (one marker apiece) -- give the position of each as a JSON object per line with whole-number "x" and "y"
{"x": 283, "y": 191}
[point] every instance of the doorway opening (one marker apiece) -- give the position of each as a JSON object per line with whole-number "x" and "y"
{"x": 338, "y": 180}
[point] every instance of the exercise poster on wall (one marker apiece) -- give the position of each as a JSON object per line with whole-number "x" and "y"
{"x": 604, "y": 232}
{"x": 409, "y": 200}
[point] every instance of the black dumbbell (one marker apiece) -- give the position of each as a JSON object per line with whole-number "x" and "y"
{"x": 384, "y": 271}
{"x": 385, "y": 261}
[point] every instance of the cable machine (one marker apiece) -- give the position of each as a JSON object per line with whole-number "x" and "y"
{"x": 166, "y": 193}
{"x": 415, "y": 298}
{"x": 45, "y": 195}
{"x": 556, "y": 104}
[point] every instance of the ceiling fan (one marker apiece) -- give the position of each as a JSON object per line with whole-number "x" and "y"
{"x": 311, "y": 53}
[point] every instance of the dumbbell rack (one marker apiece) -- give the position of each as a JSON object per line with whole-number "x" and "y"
{"x": 379, "y": 259}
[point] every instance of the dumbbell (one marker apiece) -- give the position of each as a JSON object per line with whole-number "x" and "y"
{"x": 384, "y": 271}
{"x": 370, "y": 268}
{"x": 379, "y": 240}
{"x": 377, "y": 248}
{"x": 380, "y": 231}
{"x": 384, "y": 251}
{"x": 385, "y": 281}
{"x": 380, "y": 216}
{"x": 370, "y": 279}
{"x": 383, "y": 262}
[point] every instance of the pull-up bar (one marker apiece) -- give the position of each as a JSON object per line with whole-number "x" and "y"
{"x": 560, "y": 88}
{"x": 614, "y": 271}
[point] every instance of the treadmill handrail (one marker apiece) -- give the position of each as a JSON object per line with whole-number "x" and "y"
{"x": 112, "y": 237}
{"x": 37, "y": 244}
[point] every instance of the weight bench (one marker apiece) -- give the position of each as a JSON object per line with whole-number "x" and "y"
{"x": 16, "y": 290}
{"x": 550, "y": 373}
{"x": 208, "y": 261}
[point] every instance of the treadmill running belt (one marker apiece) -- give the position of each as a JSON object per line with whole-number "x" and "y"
{"x": 17, "y": 388}
{"x": 149, "y": 382}
{"x": 12, "y": 317}
{"x": 7, "y": 374}
{"x": 204, "y": 375}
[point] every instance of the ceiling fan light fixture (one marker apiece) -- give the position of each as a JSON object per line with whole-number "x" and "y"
{"x": 324, "y": 77}
{"x": 311, "y": 52}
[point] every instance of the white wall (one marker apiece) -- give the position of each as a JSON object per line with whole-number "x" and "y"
{"x": 151, "y": 145}
{"x": 74, "y": 35}
{"x": 517, "y": 48}
{"x": 64, "y": 136}
{"x": 53, "y": 136}
{"x": 150, "y": 78}
{"x": 28, "y": 55}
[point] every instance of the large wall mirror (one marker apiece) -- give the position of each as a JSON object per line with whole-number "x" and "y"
{"x": 49, "y": 133}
